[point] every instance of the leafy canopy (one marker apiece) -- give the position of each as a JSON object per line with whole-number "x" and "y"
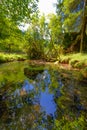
{"x": 18, "y": 10}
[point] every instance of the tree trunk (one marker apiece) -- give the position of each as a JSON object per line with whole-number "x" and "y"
{"x": 84, "y": 23}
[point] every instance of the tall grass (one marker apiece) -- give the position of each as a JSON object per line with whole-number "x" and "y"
{"x": 6, "y": 57}
{"x": 75, "y": 60}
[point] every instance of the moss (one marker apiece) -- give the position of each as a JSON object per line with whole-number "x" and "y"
{"x": 84, "y": 72}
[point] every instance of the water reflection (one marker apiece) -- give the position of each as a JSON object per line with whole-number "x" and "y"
{"x": 47, "y": 102}
{"x": 33, "y": 102}
{"x": 41, "y": 97}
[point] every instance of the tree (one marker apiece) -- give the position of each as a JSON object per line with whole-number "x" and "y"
{"x": 18, "y": 10}
{"x": 74, "y": 17}
{"x": 13, "y": 13}
{"x": 71, "y": 13}
{"x": 11, "y": 38}
{"x": 34, "y": 38}
{"x": 55, "y": 28}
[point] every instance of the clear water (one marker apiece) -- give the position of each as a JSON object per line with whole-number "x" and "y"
{"x": 32, "y": 100}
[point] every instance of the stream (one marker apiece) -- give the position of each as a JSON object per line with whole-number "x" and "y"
{"x": 33, "y": 96}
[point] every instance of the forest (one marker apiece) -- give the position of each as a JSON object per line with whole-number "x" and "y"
{"x": 63, "y": 32}
{"x": 58, "y": 39}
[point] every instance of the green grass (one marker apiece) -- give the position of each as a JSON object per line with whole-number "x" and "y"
{"x": 8, "y": 57}
{"x": 77, "y": 60}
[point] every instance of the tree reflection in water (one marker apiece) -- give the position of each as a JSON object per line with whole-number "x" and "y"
{"x": 35, "y": 101}
{"x": 32, "y": 106}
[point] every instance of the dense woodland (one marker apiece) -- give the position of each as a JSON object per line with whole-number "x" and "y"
{"x": 47, "y": 36}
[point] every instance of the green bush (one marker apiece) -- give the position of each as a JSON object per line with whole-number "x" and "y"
{"x": 35, "y": 51}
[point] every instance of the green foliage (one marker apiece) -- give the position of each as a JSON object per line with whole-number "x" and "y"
{"x": 12, "y": 14}
{"x": 35, "y": 51}
{"x": 77, "y": 60}
{"x": 11, "y": 38}
{"x": 52, "y": 37}
{"x": 73, "y": 19}
{"x": 65, "y": 124}
{"x": 35, "y": 38}
{"x": 43, "y": 27}
{"x": 69, "y": 38}
{"x": 34, "y": 46}
{"x": 76, "y": 64}
{"x": 72, "y": 11}
{"x": 5, "y": 57}
{"x": 18, "y": 10}
{"x": 66, "y": 23}
{"x": 46, "y": 37}
{"x": 55, "y": 28}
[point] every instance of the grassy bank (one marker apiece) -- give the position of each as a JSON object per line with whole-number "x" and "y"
{"x": 78, "y": 61}
{"x": 8, "y": 57}
{"x": 75, "y": 60}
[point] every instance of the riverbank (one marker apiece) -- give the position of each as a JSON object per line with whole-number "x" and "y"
{"x": 77, "y": 62}
{"x": 74, "y": 62}
{"x": 10, "y": 57}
